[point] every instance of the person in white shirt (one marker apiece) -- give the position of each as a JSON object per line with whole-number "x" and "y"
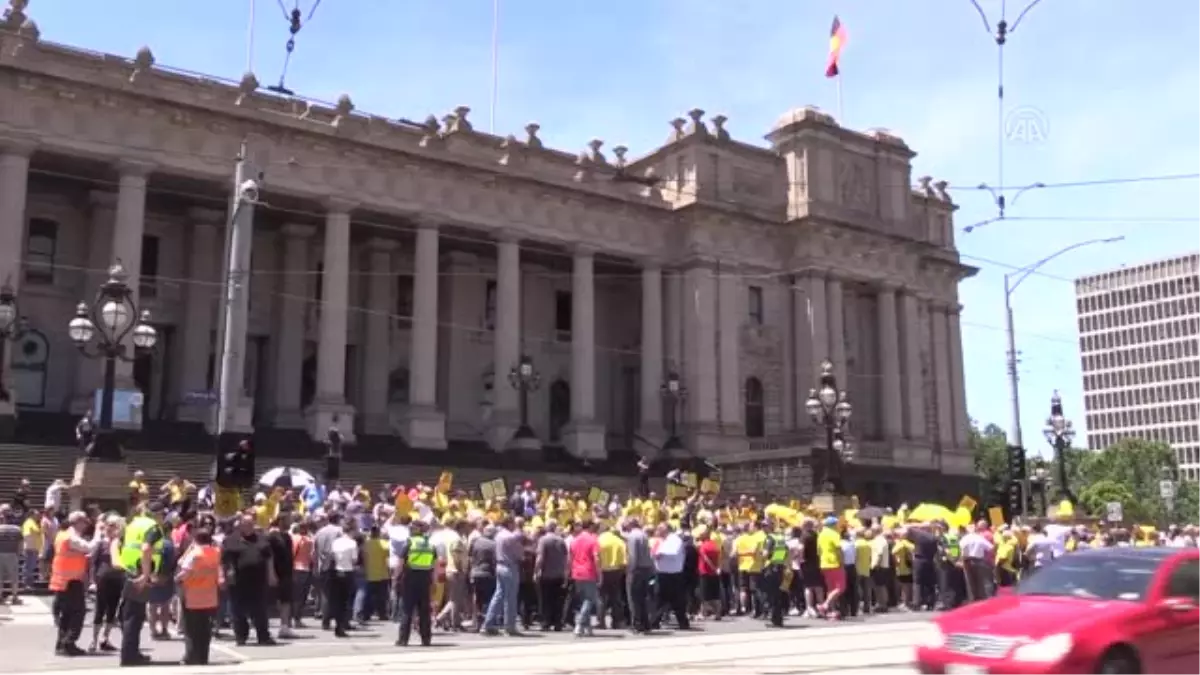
{"x": 1040, "y": 548}
{"x": 975, "y": 549}
{"x": 881, "y": 568}
{"x": 344, "y": 553}
{"x": 668, "y": 561}
{"x": 795, "y": 552}
{"x": 397, "y": 532}
{"x": 54, "y": 495}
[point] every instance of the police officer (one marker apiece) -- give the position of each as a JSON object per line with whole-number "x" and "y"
{"x": 200, "y": 577}
{"x": 141, "y": 558}
{"x": 774, "y": 581}
{"x": 68, "y": 574}
{"x": 414, "y": 579}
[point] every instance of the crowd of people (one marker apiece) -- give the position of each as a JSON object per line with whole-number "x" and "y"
{"x": 533, "y": 559}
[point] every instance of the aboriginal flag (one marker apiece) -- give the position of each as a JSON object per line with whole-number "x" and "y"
{"x": 837, "y": 40}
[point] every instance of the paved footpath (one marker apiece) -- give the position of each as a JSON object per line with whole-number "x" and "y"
{"x": 882, "y": 645}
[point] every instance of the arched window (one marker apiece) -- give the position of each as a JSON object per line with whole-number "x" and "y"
{"x": 755, "y": 424}
{"x": 30, "y": 357}
{"x": 560, "y": 409}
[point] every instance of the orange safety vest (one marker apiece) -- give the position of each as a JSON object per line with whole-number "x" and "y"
{"x": 201, "y": 581}
{"x": 69, "y": 565}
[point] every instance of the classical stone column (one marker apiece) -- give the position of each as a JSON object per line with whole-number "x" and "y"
{"x": 129, "y": 225}
{"x": 200, "y": 312}
{"x": 698, "y": 307}
{"x": 943, "y": 374}
{"x": 913, "y": 381}
{"x": 329, "y": 406}
{"x": 506, "y": 343}
{"x": 889, "y": 359}
{"x": 811, "y": 333}
{"x": 673, "y": 309}
{"x": 377, "y": 336}
{"x": 731, "y": 306}
{"x": 652, "y": 351}
{"x": 424, "y": 424}
{"x": 584, "y": 436}
{"x": 89, "y": 373}
{"x": 958, "y": 385}
{"x": 290, "y": 332}
{"x": 836, "y": 317}
{"x": 782, "y": 294}
{"x": 14, "y": 186}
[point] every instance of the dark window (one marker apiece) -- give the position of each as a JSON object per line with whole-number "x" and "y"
{"x": 404, "y": 295}
{"x": 1092, "y": 576}
{"x": 41, "y": 245}
{"x": 320, "y": 280}
{"x": 562, "y": 315}
{"x": 489, "y": 306}
{"x": 560, "y": 409}
{"x": 148, "y": 272}
{"x": 1184, "y": 581}
{"x": 756, "y": 305}
{"x": 755, "y": 424}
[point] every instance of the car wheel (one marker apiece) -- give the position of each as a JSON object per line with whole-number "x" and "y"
{"x": 1119, "y": 660}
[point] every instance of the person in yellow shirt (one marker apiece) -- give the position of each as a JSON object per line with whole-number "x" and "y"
{"x": 862, "y": 569}
{"x": 35, "y": 543}
{"x": 829, "y": 553}
{"x": 748, "y": 547}
{"x": 1006, "y": 559}
{"x": 902, "y": 553}
{"x": 614, "y": 556}
{"x": 375, "y": 550}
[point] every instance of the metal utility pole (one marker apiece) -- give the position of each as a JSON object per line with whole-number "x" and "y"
{"x": 237, "y": 296}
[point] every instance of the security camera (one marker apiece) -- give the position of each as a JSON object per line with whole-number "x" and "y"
{"x": 249, "y": 191}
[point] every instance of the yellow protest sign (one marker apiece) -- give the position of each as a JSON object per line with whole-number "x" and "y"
{"x": 404, "y": 505}
{"x": 996, "y": 516}
{"x": 690, "y": 480}
{"x": 675, "y": 491}
{"x": 445, "y": 481}
{"x": 494, "y": 489}
{"x": 597, "y": 496}
{"x": 968, "y": 502}
{"x": 227, "y": 501}
{"x": 710, "y": 487}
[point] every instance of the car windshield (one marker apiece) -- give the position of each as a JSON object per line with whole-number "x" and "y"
{"x": 1093, "y": 577}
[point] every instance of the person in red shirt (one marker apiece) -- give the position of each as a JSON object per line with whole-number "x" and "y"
{"x": 585, "y": 573}
{"x": 708, "y": 566}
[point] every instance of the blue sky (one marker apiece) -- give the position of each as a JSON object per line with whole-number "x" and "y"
{"x": 1111, "y": 85}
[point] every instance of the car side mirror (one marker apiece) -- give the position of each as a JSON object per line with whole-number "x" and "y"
{"x": 1177, "y": 605}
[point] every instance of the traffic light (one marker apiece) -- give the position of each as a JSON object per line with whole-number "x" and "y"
{"x": 235, "y": 465}
{"x": 1016, "y": 503}
{"x": 1016, "y": 463}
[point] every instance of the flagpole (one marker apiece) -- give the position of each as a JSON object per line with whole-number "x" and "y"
{"x": 841, "y": 112}
{"x": 250, "y": 40}
{"x": 495, "y": 63}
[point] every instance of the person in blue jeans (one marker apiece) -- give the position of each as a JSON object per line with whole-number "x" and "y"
{"x": 510, "y": 551}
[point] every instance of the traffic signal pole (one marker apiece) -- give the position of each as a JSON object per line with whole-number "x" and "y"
{"x": 237, "y": 296}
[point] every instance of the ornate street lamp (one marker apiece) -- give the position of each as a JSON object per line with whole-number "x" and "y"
{"x": 674, "y": 394}
{"x": 524, "y": 378}
{"x": 12, "y": 327}
{"x": 1059, "y": 434}
{"x": 1041, "y": 481}
{"x": 829, "y": 408}
{"x": 99, "y": 331}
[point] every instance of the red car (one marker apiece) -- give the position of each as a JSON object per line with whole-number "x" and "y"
{"x": 1111, "y": 610}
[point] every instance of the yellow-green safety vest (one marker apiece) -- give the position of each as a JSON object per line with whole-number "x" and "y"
{"x": 779, "y": 552}
{"x": 135, "y": 536}
{"x": 952, "y": 550}
{"x": 420, "y": 554}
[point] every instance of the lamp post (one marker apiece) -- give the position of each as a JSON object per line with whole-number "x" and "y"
{"x": 674, "y": 394}
{"x": 524, "y": 378}
{"x": 12, "y": 327}
{"x": 99, "y": 331}
{"x": 828, "y": 408}
{"x": 1040, "y": 480}
{"x": 1060, "y": 432}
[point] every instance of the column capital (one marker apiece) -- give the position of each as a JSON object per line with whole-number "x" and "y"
{"x": 19, "y": 145}
{"x": 134, "y": 168}
{"x": 887, "y": 286}
{"x": 339, "y": 205}
{"x": 382, "y": 245}
{"x": 651, "y": 263}
{"x": 505, "y": 235}
{"x": 200, "y": 215}
{"x": 297, "y": 231}
{"x": 584, "y": 250}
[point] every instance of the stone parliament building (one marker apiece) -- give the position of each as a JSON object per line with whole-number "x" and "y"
{"x": 400, "y": 270}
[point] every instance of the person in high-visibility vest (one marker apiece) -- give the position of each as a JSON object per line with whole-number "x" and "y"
{"x": 141, "y": 558}
{"x": 775, "y": 557}
{"x": 414, "y": 580}
{"x": 200, "y": 577}
{"x": 68, "y": 579}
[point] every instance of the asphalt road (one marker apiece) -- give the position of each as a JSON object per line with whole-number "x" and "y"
{"x": 27, "y": 640}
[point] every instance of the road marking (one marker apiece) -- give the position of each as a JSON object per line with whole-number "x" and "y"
{"x": 231, "y": 653}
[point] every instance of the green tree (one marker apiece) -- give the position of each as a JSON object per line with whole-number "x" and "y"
{"x": 1131, "y": 469}
{"x": 989, "y": 446}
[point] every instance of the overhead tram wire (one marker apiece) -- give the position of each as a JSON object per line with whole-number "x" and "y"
{"x": 295, "y": 23}
{"x": 1002, "y": 31}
